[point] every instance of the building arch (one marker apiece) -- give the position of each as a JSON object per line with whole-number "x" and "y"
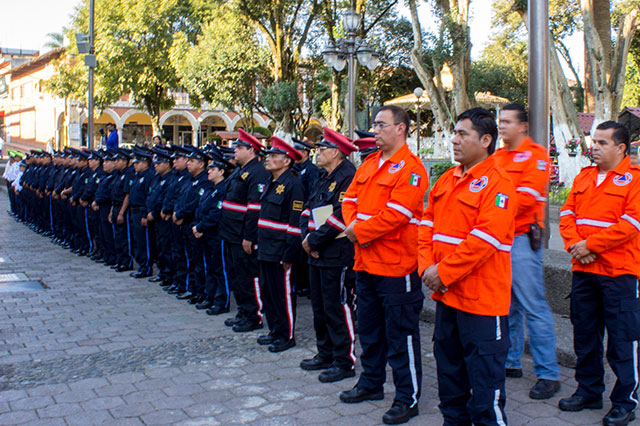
{"x": 192, "y": 120}
{"x": 128, "y": 114}
{"x": 224, "y": 117}
{"x": 116, "y": 118}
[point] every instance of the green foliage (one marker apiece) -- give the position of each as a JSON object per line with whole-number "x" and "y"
{"x": 55, "y": 40}
{"x": 263, "y": 131}
{"x": 225, "y": 64}
{"x": 558, "y": 195}
{"x": 69, "y": 79}
{"x": 280, "y": 98}
{"x": 631, "y": 96}
{"x": 438, "y": 170}
{"x": 501, "y": 79}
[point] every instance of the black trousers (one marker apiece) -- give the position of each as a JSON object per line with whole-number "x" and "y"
{"x": 82, "y": 237}
{"x": 388, "y": 316}
{"x": 122, "y": 238}
{"x": 195, "y": 260}
{"x": 107, "y": 230}
{"x": 279, "y": 299}
{"x": 332, "y": 315}
{"x": 217, "y": 285}
{"x": 95, "y": 231}
{"x": 470, "y": 352}
{"x": 179, "y": 257}
{"x": 599, "y": 302}
{"x": 141, "y": 240}
{"x": 243, "y": 273}
{"x": 163, "y": 249}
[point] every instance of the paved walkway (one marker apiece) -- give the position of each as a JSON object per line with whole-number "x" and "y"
{"x": 98, "y": 347}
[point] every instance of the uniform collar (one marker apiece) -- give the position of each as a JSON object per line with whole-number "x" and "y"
{"x": 623, "y": 166}
{"x": 524, "y": 146}
{"x": 476, "y": 171}
{"x": 395, "y": 158}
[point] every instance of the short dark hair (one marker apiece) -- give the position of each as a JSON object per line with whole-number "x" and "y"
{"x": 523, "y": 115}
{"x": 483, "y": 122}
{"x": 620, "y": 133}
{"x": 399, "y": 116}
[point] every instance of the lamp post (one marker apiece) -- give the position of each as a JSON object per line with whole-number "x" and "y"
{"x": 345, "y": 51}
{"x": 418, "y": 92}
{"x": 85, "y": 44}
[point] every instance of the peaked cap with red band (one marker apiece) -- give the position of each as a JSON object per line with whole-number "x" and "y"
{"x": 248, "y": 140}
{"x": 278, "y": 146}
{"x": 364, "y": 143}
{"x": 333, "y": 139}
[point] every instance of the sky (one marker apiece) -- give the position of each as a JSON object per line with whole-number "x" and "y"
{"x": 26, "y": 23}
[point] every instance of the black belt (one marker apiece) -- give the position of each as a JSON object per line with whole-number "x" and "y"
{"x": 137, "y": 209}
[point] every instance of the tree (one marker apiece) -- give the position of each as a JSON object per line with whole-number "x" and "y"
{"x": 55, "y": 40}
{"x": 631, "y": 96}
{"x": 450, "y": 46}
{"x": 285, "y": 25}
{"x": 133, "y": 43}
{"x": 224, "y": 65}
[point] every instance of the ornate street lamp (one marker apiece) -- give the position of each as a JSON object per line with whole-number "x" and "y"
{"x": 344, "y": 52}
{"x": 418, "y": 92}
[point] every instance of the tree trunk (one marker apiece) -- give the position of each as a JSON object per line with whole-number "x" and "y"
{"x": 608, "y": 62}
{"x": 437, "y": 102}
{"x": 460, "y": 64}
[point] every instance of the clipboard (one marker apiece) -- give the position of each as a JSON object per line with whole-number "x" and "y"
{"x": 320, "y": 216}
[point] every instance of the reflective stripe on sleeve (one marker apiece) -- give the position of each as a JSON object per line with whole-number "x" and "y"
{"x": 490, "y": 239}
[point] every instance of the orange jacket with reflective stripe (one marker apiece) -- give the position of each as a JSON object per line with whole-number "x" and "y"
{"x": 608, "y": 217}
{"x": 387, "y": 202}
{"x": 528, "y": 168}
{"x": 467, "y": 230}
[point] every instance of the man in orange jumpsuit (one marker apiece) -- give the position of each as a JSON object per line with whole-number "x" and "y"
{"x": 382, "y": 209}
{"x": 600, "y": 223}
{"x": 527, "y": 164}
{"x": 466, "y": 234}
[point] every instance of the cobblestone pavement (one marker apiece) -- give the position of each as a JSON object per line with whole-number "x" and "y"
{"x": 98, "y": 347}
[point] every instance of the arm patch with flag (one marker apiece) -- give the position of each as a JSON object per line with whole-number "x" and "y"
{"x": 415, "y": 179}
{"x": 502, "y": 200}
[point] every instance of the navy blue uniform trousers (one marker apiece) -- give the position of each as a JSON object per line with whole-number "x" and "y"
{"x": 599, "y": 302}
{"x": 470, "y": 352}
{"x": 388, "y": 317}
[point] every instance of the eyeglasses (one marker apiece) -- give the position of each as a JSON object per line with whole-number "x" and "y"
{"x": 382, "y": 125}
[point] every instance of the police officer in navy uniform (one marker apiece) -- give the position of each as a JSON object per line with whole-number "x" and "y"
{"x": 162, "y": 180}
{"x": 86, "y": 199}
{"x": 180, "y": 183}
{"x": 239, "y": 228}
{"x": 205, "y": 229}
{"x": 183, "y": 215}
{"x": 102, "y": 205}
{"x": 119, "y": 214}
{"x": 331, "y": 261}
{"x": 82, "y": 239}
{"x": 141, "y": 229}
{"x": 366, "y": 144}
{"x": 279, "y": 244}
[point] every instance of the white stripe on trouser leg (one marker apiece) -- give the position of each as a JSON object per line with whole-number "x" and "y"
{"x": 637, "y": 289}
{"x": 407, "y": 283}
{"x": 497, "y": 410}
{"x": 412, "y": 369}
{"x": 636, "y": 373}
{"x": 287, "y": 298}
{"x": 256, "y": 287}
{"x": 498, "y": 329}
{"x": 352, "y": 335}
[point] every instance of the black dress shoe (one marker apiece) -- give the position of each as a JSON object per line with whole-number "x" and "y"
{"x": 175, "y": 291}
{"x": 196, "y": 299}
{"x": 359, "y": 395}
{"x": 335, "y": 374}
{"x": 315, "y": 363}
{"x": 618, "y": 416}
{"x": 400, "y": 412}
{"x": 246, "y": 325}
{"x": 265, "y": 339}
{"x": 204, "y": 305}
{"x": 156, "y": 279}
{"x": 122, "y": 268}
{"x": 544, "y": 389}
{"x": 579, "y": 403}
{"x": 172, "y": 287}
{"x": 184, "y": 296}
{"x": 166, "y": 283}
{"x": 230, "y": 322}
{"x": 217, "y": 310}
{"x": 514, "y": 373}
{"x": 280, "y": 345}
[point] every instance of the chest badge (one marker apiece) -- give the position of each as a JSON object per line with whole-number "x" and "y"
{"x": 522, "y": 156}
{"x": 478, "y": 185}
{"x": 395, "y": 167}
{"x": 244, "y": 175}
{"x": 332, "y": 186}
{"x": 622, "y": 180}
{"x": 280, "y": 189}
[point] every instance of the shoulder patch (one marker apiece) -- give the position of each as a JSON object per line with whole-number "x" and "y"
{"x": 261, "y": 187}
{"x": 502, "y": 200}
{"x": 478, "y": 185}
{"x": 522, "y": 156}
{"x": 201, "y": 192}
{"x": 415, "y": 179}
{"x": 395, "y": 167}
{"x": 297, "y": 206}
{"x": 622, "y": 180}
